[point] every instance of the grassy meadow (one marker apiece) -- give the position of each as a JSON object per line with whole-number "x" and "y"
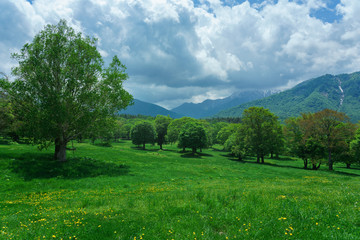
{"x": 122, "y": 192}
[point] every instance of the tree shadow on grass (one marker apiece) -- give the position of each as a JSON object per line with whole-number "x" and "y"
{"x": 103, "y": 144}
{"x": 5, "y": 142}
{"x": 140, "y": 148}
{"x": 250, "y": 160}
{"x": 194, "y": 155}
{"x": 345, "y": 173}
{"x": 40, "y": 166}
{"x": 287, "y": 159}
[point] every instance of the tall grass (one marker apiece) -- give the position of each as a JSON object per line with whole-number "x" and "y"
{"x": 122, "y": 192}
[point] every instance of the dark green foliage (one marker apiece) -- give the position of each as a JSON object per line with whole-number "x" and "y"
{"x": 260, "y": 128}
{"x": 175, "y": 127}
{"x": 224, "y": 119}
{"x": 142, "y": 133}
{"x": 226, "y": 132}
{"x": 355, "y": 147}
{"x": 331, "y": 129}
{"x": 161, "y": 126}
{"x": 193, "y": 135}
{"x": 8, "y": 125}
{"x": 125, "y": 131}
{"x": 320, "y": 135}
{"x": 217, "y": 126}
{"x": 311, "y": 96}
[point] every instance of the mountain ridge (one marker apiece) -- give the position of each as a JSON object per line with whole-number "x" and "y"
{"x": 337, "y": 92}
{"x": 210, "y": 107}
{"x": 148, "y": 109}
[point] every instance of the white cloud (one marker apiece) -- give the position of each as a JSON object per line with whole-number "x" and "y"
{"x": 179, "y": 51}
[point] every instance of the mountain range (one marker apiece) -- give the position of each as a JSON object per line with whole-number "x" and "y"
{"x": 209, "y": 108}
{"x": 336, "y": 92}
{"x": 148, "y": 109}
{"x": 340, "y": 93}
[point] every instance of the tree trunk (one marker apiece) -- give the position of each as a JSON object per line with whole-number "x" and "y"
{"x": 271, "y": 155}
{"x": 262, "y": 159}
{"x": 60, "y": 149}
{"x": 143, "y": 146}
{"x": 305, "y": 163}
{"x": 316, "y": 167}
{"x": 183, "y": 149}
{"x": 161, "y": 148}
{"x": 57, "y": 148}
{"x": 348, "y": 165}
{"x": 330, "y": 162}
{"x": 257, "y": 158}
{"x": 194, "y": 150}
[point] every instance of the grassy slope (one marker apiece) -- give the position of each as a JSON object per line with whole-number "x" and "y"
{"x": 171, "y": 195}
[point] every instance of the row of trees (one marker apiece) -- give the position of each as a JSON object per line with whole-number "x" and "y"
{"x": 313, "y": 137}
{"x": 187, "y": 132}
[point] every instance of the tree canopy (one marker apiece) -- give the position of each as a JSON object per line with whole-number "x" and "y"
{"x": 62, "y": 88}
{"x": 161, "y": 126}
{"x": 142, "y": 133}
{"x": 192, "y": 135}
{"x": 259, "y": 126}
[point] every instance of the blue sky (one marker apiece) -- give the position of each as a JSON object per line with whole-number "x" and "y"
{"x": 190, "y": 51}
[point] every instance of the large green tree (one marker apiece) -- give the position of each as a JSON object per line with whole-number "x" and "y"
{"x": 259, "y": 126}
{"x": 161, "y": 126}
{"x": 175, "y": 126}
{"x": 142, "y": 133}
{"x": 62, "y": 88}
{"x": 332, "y": 129}
{"x": 295, "y": 138}
{"x": 193, "y": 135}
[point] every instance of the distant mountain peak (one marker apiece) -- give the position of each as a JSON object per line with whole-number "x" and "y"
{"x": 210, "y": 107}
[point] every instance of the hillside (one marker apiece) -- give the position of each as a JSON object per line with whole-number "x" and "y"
{"x": 148, "y": 109}
{"x": 341, "y": 93}
{"x": 208, "y": 107}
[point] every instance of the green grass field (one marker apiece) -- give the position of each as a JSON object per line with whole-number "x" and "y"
{"x": 122, "y": 192}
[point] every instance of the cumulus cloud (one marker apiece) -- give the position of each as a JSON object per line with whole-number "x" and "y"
{"x": 178, "y": 51}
